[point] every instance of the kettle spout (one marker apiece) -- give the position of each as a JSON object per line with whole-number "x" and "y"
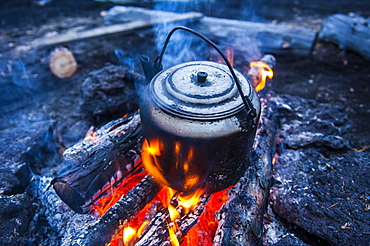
{"x": 147, "y": 68}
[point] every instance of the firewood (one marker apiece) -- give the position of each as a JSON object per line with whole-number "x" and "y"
{"x": 156, "y": 233}
{"x": 102, "y": 232}
{"x": 62, "y": 63}
{"x": 113, "y": 29}
{"x": 268, "y": 38}
{"x": 350, "y": 32}
{"x": 115, "y": 155}
{"x": 241, "y": 218}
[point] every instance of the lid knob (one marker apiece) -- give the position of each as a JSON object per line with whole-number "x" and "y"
{"x": 202, "y": 77}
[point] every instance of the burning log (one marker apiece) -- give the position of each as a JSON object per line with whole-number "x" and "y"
{"x": 260, "y": 70}
{"x": 114, "y": 156}
{"x": 349, "y": 32}
{"x": 113, "y": 221}
{"x": 157, "y": 231}
{"x": 241, "y": 218}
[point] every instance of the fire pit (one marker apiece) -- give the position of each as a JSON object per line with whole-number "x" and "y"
{"x": 320, "y": 191}
{"x": 90, "y": 186}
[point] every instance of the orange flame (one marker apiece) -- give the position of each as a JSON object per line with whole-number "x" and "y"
{"x": 187, "y": 203}
{"x": 264, "y": 71}
{"x": 102, "y": 206}
{"x": 150, "y": 151}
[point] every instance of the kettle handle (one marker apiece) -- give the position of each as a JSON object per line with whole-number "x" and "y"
{"x": 157, "y": 66}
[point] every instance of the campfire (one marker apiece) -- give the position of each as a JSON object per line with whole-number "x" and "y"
{"x": 125, "y": 128}
{"x": 162, "y": 215}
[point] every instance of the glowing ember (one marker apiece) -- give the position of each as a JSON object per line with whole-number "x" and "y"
{"x": 263, "y": 70}
{"x": 102, "y": 206}
{"x": 91, "y": 135}
{"x": 201, "y": 234}
{"x": 273, "y": 161}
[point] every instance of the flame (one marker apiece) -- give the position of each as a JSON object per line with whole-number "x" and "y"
{"x": 230, "y": 55}
{"x": 273, "y": 161}
{"x": 263, "y": 71}
{"x": 187, "y": 203}
{"x": 102, "y": 206}
{"x": 201, "y": 234}
{"x": 128, "y": 235}
{"x": 150, "y": 151}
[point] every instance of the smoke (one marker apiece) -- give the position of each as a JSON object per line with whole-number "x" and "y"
{"x": 183, "y": 46}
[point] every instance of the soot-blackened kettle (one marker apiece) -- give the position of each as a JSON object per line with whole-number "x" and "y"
{"x": 199, "y": 121}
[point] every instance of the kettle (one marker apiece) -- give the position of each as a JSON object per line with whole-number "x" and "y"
{"x": 199, "y": 120}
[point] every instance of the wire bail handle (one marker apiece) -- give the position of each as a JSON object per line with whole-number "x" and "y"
{"x": 157, "y": 67}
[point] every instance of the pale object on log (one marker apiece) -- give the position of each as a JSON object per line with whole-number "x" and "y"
{"x": 62, "y": 63}
{"x": 350, "y": 32}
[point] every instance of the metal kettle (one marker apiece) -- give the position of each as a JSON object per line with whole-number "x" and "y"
{"x": 199, "y": 121}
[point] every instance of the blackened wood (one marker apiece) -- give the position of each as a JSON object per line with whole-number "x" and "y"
{"x": 241, "y": 218}
{"x": 82, "y": 184}
{"x": 112, "y": 222}
{"x": 350, "y": 32}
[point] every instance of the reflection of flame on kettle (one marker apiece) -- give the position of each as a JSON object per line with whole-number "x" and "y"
{"x": 199, "y": 120}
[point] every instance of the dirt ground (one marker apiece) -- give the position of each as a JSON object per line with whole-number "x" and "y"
{"x": 30, "y": 93}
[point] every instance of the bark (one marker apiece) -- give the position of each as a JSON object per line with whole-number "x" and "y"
{"x": 350, "y": 32}
{"x": 115, "y": 157}
{"x": 257, "y": 37}
{"x": 241, "y": 218}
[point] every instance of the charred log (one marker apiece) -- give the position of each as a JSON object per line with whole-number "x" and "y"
{"x": 241, "y": 218}
{"x": 113, "y": 221}
{"x": 114, "y": 155}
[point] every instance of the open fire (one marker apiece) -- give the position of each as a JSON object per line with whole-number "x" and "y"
{"x": 171, "y": 205}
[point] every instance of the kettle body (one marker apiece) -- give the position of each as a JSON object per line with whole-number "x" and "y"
{"x": 194, "y": 116}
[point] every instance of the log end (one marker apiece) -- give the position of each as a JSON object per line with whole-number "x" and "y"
{"x": 62, "y": 63}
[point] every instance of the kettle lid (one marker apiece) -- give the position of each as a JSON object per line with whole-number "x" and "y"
{"x": 201, "y": 90}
